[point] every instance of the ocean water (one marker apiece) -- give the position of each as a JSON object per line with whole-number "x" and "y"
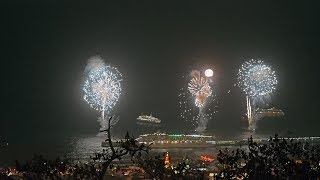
{"x": 80, "y": 148}
{"x": 74, "y": 147}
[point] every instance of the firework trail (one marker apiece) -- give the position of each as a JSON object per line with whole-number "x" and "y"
{"x": 258, "y": 81}
{"x": 249, "y": 113}
{"x": 102, "y": 88}
{"x": 198, "y": 93}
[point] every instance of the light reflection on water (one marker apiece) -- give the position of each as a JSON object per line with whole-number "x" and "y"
{"x": 83, "y": 148}
{"x": 74, "y": 148}
{"x": 80, "y": 148}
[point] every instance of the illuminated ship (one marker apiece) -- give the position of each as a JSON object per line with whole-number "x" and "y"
{"x": 271, "y": 112}
{"x": 165, "y": 141}
{"x": 162, "y": 140}
{"x": 148, "y": 120}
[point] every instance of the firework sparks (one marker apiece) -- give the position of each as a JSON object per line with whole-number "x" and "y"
{"x": 200, "y": 88}
{"x": 198, "y": 92}
{"x": 249, "y": 113}
{"x": 258, "y": 81}
{"x": 102, "y": 86}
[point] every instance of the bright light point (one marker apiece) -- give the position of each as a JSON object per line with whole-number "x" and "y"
{"x": 208, "y": 73}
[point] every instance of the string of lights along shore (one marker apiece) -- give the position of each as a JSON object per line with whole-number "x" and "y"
{"x": 102, "y": 89}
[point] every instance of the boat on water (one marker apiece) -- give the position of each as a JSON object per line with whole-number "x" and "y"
{"x": 148, "y": 120}
{"x": 162, "y": 140}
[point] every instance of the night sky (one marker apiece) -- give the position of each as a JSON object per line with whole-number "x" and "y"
{"x": 45, "y": 47}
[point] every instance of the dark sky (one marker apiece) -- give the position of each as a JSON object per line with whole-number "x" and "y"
{"x": 45, "y": 47}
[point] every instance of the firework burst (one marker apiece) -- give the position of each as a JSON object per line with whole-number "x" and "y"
{"x": 200, "y": 88}
{"x": 258, "y": 81}
{"x": 256, "y": 78}
{"x": 196, "y": 101}
{"x": 102, "y": 86}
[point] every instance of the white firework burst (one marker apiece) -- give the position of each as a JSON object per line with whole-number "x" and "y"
{"x": 258, "y": 81}
{"x": 256, "y": 78}
{"x": 102, "y": 86}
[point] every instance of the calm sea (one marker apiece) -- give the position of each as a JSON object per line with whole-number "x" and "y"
{"x": 76, "y": 148}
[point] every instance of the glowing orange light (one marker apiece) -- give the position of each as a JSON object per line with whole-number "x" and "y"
{"x": 167, "y": 159}
{"x": 206, "y": 159}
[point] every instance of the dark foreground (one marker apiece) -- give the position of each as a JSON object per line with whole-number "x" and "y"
{"x": 277, "y": 158}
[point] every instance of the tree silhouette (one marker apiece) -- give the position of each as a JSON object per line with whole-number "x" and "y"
{"x": 128, "y": 146}
{"x": 278, "y": 158}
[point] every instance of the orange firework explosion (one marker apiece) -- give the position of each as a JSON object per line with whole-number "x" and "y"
{"x": 200, "y": 88}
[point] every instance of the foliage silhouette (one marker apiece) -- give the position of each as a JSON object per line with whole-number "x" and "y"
{"x": 278, "y": 158}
